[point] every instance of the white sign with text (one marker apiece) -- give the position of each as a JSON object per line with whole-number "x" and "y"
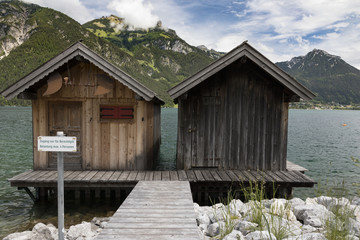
{"x": 56, "y": 144}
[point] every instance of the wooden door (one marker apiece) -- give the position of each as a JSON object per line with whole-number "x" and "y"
{"x": 66, "y": 117}
{"x": 206, "y": 142}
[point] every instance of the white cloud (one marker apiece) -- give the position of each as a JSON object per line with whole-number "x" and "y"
{"x": 285, "y": 28}
{"x": 73, "y": 8}
{"x": 280, "y": 29}
{"x": 136, "y": 12}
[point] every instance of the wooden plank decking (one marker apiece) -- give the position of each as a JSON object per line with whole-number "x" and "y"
{"x": 294, "y": 167}
{"x": 154, "y": 210}
{"x": 81, "y": 179}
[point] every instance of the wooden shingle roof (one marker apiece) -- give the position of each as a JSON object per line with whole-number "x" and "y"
{"x": 243, "y": 50}
{"x": 79, "y": 49}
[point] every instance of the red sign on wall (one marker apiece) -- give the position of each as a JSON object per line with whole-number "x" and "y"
{"x": 116, "y": 112}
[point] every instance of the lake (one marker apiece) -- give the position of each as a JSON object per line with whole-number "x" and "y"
{"x": 317, "y": 140}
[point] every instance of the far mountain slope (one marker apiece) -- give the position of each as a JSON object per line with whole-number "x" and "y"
{"x": 32, "y": 35}
{"x": 330, "y": 77}
{"x": 167, "y": 58}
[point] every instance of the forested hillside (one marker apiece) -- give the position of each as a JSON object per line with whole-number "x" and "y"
{"x": 30, "y": 35}
{"x": 331, "y": 78}
{"x": 155, "y": 60}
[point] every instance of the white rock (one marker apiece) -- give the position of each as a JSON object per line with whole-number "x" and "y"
{"x": 196, "y": 206}
{"x": 311, "y": 201}
{"x": 42, "y": 232}
{"x": 350, "y": 237}
{"x": 103, "y": 224}
{"x": 356, "y": 201}
{"x": 203, "y": 228}
{"x": 245, "y": 227}
{"x": 324, "y": 200}
{"x": 204, "y": 237}
{"x": 235, "y": 207}
{"x": 330, "y": 202}
{"x": 27, "y": 235}
{"x": 218, "y": 213}
{"x": 266, "y": 202}
{"x": 248, "y": 207}
{"x": 80, "y": 231}
{"x": 260, "y": 235}
{"x": 213, "y": 229}
{"x": 281, "y": 200}
{"x": 308, "y": 229}
{"x": 234, "y": 235}
{"x": 354, "y": 227}
{"x": 203, "y": 219}
{"x": 53, "y": 230}
{"x": 282, "y": 208}
{"x": 356, "y": 210}
{"x": 296, "y": 202}
{"x": 342, "y": 201}
{"x": 279, "y": 224}
{"x": 312, "y": 214}
{"x": 307, "y": 236}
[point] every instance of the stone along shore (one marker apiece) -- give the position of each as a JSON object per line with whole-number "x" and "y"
{"x": 276, "y": 219}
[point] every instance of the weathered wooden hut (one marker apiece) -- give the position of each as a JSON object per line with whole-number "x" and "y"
{"x": 233, "y": 114}
{"x": 115, "y": 118}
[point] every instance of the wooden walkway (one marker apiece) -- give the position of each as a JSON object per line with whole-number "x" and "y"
{"x": 154, "y": 210}
{"x": 83, "y": 179}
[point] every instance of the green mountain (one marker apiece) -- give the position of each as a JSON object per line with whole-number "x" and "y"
{"x": 166, "y": 57}
{"x": 30, "y": 35}
{"x": 330, "y": 77}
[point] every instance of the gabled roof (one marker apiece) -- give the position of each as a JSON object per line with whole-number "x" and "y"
{"x": 251, "y": 53}
{"x": 79, "y": 49}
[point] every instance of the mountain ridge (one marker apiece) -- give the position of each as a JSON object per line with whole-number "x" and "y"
{"x": 328, "y": 75}
{"x": 174, "y": 59}
{"x": 157, "y": 57}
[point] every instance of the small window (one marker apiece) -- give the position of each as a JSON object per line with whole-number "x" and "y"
{"x": 116, "y": 112}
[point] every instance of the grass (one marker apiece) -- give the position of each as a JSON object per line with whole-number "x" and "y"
{"x": 230, "y": 220}
{"x": 272, "y": 221}
{"x": 276, "y": 219}
{"x": 337, "y": 224}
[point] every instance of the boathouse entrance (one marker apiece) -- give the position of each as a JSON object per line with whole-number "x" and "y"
{"x": 66, "y": 117}
{"x": 205, "y": 131}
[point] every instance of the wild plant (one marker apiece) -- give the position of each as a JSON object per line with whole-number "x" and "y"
{"x": 337, "y": 225}
{"x": 254, "y": 194}
{"x": 227, "y": 216}
{"x": 272, "y": 220}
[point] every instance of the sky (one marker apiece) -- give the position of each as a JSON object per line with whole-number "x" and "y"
{"x": 279, "y": 29}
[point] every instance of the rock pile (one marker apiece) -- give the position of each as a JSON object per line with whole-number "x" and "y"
{"x": 83, "y": 231}
{"x": 312, "y": 219}
{"x": 274, "y": 219}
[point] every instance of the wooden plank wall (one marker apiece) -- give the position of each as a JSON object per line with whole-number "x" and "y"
{"x": 237, "y": 119}
{"x": 107, "y": 145}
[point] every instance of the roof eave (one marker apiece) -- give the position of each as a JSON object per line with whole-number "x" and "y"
{"x": 247, "y": 50}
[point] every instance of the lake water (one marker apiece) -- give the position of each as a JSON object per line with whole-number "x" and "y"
{"x": 317, "y": 140}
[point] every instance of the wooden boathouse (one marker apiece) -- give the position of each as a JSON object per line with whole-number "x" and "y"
{"x": 115, "y": 118}
{"x": 232, "y": 126}
{"x": 233, "y": 114}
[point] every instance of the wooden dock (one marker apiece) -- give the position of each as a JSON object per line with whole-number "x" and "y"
{"x": 83, "y": 179}
{"x": 154, "y": 210}
{"x": 205, "y": 184}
